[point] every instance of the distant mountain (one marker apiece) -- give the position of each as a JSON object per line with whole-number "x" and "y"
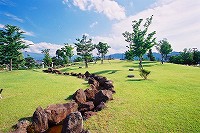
{"x": 156, "y": 55}
{"x": 38, "y": 56}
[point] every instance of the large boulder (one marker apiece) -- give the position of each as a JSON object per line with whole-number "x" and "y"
{"x": 102, "y": 96}
{"x": 93, "y": 82}
{"x": 79, "y": 96}
{"x": 57, "y": 112}
{"x": 87, "y": 74}
{"x": 73, "y": 123}
{"x": 90, "y": 93}
{"x": 87, "y": 106}
{"x": 108, "y": 85}
{"x": 40, "y": 120}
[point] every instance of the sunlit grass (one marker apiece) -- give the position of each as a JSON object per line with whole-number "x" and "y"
{"x": 169, "y": 101}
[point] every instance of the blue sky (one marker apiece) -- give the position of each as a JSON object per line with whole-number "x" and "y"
{"x": 51, "y": 23}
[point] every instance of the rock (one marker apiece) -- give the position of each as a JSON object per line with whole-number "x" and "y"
{"x": 56, "y": 71}
{"x": 130, "y": 76}
{"x": 90, "y": 94}
{"x": 101, "y": 106}
{"x": 80, "y": 67}
{"x": 102, "y": 96}
{"x": 88, "y": 114}
{"x": 57, "y": 112}
{"x": 79, "y": 96}
{"x": 131, "y": 69}
{"x": 22, "y": 126}
{"x": 87, "y": 106}
{"x": 40, "y": 120}
{"x": 87, "y": 74}
{"x": 74, "y": 74}
{"x": 73, "y": 123}
{"x": 93, "y": 82}
{"x": 65, "y": 73}
{"x": 50, "y": 70}
{"x": 101, "y": 80}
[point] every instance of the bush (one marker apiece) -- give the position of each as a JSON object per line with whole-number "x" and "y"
{"x": 144, "y": 73}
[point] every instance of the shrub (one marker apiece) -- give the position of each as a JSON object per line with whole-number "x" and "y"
{"x": 144, "y": 73}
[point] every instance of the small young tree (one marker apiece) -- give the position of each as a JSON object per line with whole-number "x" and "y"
{"x": 47, "y": 59}
{"x": 164, "y": 48}
{"x": 139, "y": 40}
{"x": 102, "y": 49}
{"x": 84, "y": 48}
{"x": 10, "y": 44}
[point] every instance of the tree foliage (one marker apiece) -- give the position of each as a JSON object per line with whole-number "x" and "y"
{"x": 10, "y": 44}
{"x": 84, "y": 48}
{"x": 150, "y": 55}
{"x": 187, "y": 57}
{"x": 164, "y": 48}
{"x": 47, "y": 59}
{"x": 102, "y": 49}
{"x": 30, "y": 62}
{"x": 140, "y": 41}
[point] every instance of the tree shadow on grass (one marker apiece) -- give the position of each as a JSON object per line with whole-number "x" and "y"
{"x": 134, "y": 80}
{"x": 67, "y": 69}
{"x": 106, "y": 71}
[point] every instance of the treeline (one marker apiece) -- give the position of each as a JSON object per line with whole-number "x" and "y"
{"x": 187, "y": 57}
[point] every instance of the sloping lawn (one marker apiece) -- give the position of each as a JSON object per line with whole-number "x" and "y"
{"x": 169, "y": 101}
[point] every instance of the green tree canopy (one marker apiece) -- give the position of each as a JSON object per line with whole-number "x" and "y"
{"x": 10, "y": 44}
{"x": 47, "y": 59}
{"x": 140, "y": 41}
{"x": 102, "y": 49}
{"x": 84, "y": 48}
{"x": 164, "y": 48}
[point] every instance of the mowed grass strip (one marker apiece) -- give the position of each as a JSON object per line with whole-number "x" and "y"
{"x": 169, "y": 101}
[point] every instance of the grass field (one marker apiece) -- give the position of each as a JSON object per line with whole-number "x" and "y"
{"x": 169, "y": 101}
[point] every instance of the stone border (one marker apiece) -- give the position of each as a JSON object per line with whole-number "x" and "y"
{"x": 84, "y": 104}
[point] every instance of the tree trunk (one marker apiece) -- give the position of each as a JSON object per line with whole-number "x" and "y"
{"x": 10, "y": 68}
{"x": 140, "y": 63}
{"x": 86, "y": 63}
{"x": 102, "y": 59}
{"x": 162, "y": 58}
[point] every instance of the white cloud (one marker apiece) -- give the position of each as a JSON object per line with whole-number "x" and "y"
{"x": 93, "y": 24}
{"x": 28, "y": 33}
{"x": 108, "y": 7}
{"x": 176, "y": 20}
{"x": 1, "y": 25}
{"x": 37, "y": 47}
{"x": 14, "y": 17}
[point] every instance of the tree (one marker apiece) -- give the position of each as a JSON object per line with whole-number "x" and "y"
{"x": 68, "y": 49}
{"x": 129, "y": 55}
{"x": 10, "y": 44}
{"x": 102, "y": 49}
{"x": 139, "y": 40}
{"x": 30, "y": 62}
{"x": 196, "y": 56}
{"x": 47, "y": 59}
{"x": 84, "y": 48}
{"x": 150, "y": 55}
{"x": 164, "y": 48}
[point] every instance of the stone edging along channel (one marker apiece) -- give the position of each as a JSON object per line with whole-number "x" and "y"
{"x": 84, "y": 104}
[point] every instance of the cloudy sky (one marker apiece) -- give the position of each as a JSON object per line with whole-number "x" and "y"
{"x": 51, "y": 23}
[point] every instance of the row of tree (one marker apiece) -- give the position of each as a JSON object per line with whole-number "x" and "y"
{"x": 84, "y": 48}
{"x": 187, "y": 57}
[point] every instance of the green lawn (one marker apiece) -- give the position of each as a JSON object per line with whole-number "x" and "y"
{"x": 169, "y": 101}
